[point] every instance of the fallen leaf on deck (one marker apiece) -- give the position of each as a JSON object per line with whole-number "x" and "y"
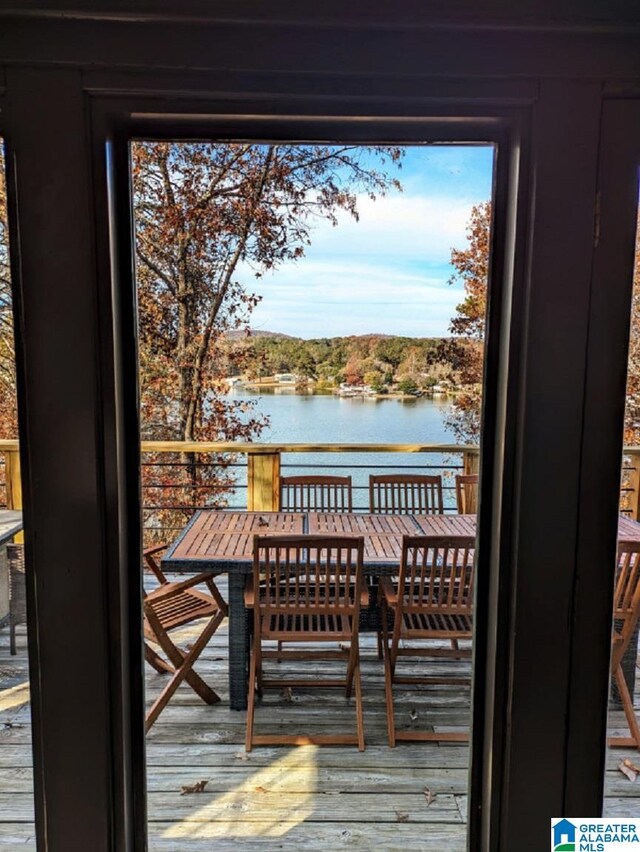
{"x": 198, "y": 787}
{"x": 287, "y": 695}
{"x": 344, "y": 647}
{"x": 260, "y": 790}
{"x": 413, "y": 714}
{"x": 631, "y": 765}
{"x": 402, "y": 816}
{"x": 262, "y": 522}
{"x": 429, "y": 796}
{"x": 241, "y": 755}
{"x": 627, "y": 768}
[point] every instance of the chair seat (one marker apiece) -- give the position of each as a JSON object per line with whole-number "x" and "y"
{"x": 307, "y": 628}
{"x": 429, "y": 625}
{"x": 182, "y": 608}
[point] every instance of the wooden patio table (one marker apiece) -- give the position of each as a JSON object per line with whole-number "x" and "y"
{"x": 221, "y": 541}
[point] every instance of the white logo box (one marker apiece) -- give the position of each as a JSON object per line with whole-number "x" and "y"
{"x": 587, "y": 834}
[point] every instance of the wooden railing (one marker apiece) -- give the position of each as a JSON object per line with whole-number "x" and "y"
{"x": 11, "y": 480}
{"x": 264, "y": 463}
{"x": 630, "y": 487}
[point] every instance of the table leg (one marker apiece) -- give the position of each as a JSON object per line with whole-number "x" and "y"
{"x": 238, "y": 626}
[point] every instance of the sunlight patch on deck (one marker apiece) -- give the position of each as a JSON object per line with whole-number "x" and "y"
{"x": 14, "y": 696}
{"x": 295, "y": 772}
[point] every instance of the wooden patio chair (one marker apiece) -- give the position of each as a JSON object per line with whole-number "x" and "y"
{"x": 17, "y": 592}
{"x": 310, "y": 589}
{"x": 467, "y": 493}
{"x": 405, "y": 494}
{"x": 174, "y": 605}
{"x": 626, "y": 612}
{"x": 315, "y": 494}
{"x": 432, "y": 598}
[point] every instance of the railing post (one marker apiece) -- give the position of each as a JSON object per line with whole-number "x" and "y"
{"x": 471, "y": 462}
{"x": 263, "y": 482}
{"x": 633, "y": 484}
{"x": 471, "y": 465}
{"x": 13, "y": 484}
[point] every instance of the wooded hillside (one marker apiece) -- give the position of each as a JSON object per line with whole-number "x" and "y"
{"x": 376, "y": 360}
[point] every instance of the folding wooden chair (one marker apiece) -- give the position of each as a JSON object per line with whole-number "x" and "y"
{"x": 467, "y": 493}
{"x": 309, "y": 589}
{"x": 168, "y": 607}
{"x": 405, "y": 494}
{"x": 432, "y": 598}
{"x": 315, "y": 494}
{"x": 626, "y": 612}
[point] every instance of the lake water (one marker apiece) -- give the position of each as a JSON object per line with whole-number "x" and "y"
{"x": 331, "y": 419}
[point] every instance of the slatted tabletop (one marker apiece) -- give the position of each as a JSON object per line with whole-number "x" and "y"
{"x": 628, "y": 530}
{"x": 347, "y": 523}
{"x": 382, "y": 533}
{"x": 224, "y": 540}
{"x": 446, "y": 525}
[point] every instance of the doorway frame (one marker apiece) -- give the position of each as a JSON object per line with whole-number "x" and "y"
{"x": 109, "y": 120}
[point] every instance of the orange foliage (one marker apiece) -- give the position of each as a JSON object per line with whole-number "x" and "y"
{"x": 466, "y": 349}
{"x": 471, "y": 265}
{"x": 8, "y": 398}
{"x": 632, "y": 408}
{"x": 209, "y": 218}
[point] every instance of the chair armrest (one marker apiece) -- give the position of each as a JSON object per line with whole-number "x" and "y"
{"x": 168, "y": 590}
{"x": 149, "y": 551}
{"x": 249, "y": 593}
{"x": 387, "y": 591}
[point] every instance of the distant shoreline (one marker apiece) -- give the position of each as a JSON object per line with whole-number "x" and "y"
{"x": 293, "y": 391}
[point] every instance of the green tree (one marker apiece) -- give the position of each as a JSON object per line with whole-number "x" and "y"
{"x": 408, "y": 386}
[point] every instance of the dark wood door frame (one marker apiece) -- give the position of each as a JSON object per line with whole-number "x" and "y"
{"x": 81, "y": 387}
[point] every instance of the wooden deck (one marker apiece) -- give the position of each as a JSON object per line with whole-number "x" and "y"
{"x": 283, "y": 798}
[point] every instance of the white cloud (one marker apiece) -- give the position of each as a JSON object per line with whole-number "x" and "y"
{"x": 410, "y": 227}
{"x": 340, "y": 298}
{"x": 386, "y": 273}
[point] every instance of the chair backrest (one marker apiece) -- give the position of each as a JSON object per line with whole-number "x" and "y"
{"x": 17, "y": 583}
{"x": 405, "y": 494}
{"x": 309, "y": 574}
{"x": 315, "y": 494}
{"x": 467, "y": 493}
{"x": 626, "y": 598}
{"x": 436, "y": 574}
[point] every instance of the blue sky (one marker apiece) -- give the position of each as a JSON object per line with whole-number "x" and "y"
{"x": 389, "y": 272}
